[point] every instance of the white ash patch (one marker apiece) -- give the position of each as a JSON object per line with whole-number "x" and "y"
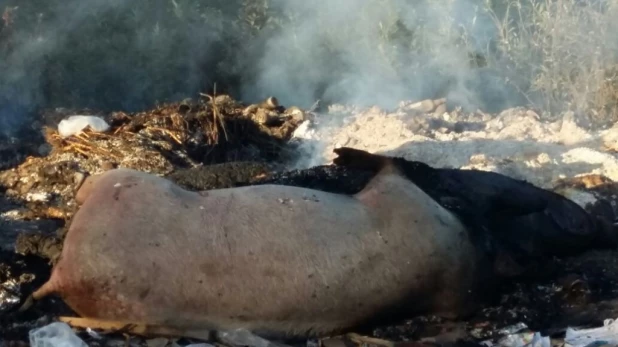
{"x": 38, "y": 196}
{"x": 581, "y": 198}
{"x": 516, "y": 142}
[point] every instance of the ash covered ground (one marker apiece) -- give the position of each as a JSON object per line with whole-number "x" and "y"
{"x": 244, "y": 144}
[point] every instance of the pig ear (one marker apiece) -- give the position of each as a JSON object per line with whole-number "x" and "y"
{"x": 352, "y": 158}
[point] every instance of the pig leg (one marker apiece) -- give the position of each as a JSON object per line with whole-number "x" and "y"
{"x": 135, "y": 328}
{"x": 238, "y": 337}
{"x": 46, "y": 289}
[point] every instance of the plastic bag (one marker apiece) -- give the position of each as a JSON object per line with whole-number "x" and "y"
{"x": 525, "y": 339}
{"x": 607, "y": 334}
{"x": 57, "y": 334}
{"x": 75, "y": 124}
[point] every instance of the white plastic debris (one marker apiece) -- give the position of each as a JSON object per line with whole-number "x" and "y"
{"x": 304, "y": 131}
{"x": 243, "y": 337}
{"x": 517, "y": 337}
{"x": 40, "y": 196}
{"x": 607, "y": 334}
{"x": 93, "y": 334}
{"x": 513, "y": 329}
{"x": 57, "y": 334}
{"x": 525, "y": 339}
{"x": 75, "y": 124}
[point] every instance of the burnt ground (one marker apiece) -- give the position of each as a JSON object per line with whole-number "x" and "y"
{"x": 576, "y": 291}
{"x": 36, "y": 204}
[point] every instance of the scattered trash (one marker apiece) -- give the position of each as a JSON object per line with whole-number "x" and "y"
{"x": 517, "y": 337}
{"x": 527, "y": 339}
{"x": 75, "y": 124}
{"x": 9, "y": 295}
{"x": 607, "y": 334}
{"x": 304, "y": 131}
{"x": 38, "y": 196}
{"x": 93, "y": 334}
{"x": 56, "y": 334}
{"x": 513, "y": 329}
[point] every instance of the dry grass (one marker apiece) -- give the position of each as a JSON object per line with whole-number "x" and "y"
{"x": 561, "y": 53}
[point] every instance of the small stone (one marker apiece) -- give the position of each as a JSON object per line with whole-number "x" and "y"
{"x": 423, "y": 106}
{"x": 441, "y": 111}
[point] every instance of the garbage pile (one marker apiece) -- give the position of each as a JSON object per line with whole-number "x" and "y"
{"x": 160, "y": 141}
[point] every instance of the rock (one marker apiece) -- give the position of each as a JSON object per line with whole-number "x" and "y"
{"x": 425, "y": 106}
{"x": 440, "y": 110}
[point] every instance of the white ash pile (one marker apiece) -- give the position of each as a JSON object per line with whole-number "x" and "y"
{"x": 517, "y": 142}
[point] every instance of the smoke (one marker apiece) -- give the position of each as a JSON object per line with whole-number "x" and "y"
{"x": 378, "y": 53}
{"x": 129, "y": 55}
{"x": 106, "y": 54}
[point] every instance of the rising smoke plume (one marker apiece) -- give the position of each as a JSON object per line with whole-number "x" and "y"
{"x": 378, "y": 53}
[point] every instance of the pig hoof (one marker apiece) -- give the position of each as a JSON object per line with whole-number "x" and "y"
{"x": 27, "y": 304}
